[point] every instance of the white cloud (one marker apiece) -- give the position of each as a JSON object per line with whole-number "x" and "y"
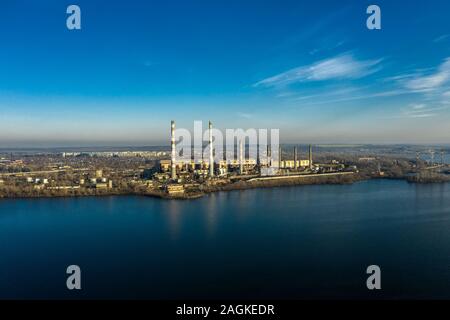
{"x": 244, "y": 115}
{"x": 442, "y": 38}
{"x": 148, "y": 63}
{"x": 432, "y": 81}
{"x": 341, "y": 67}
{"x": 422, "y": 111}
{"x": 382, "y": 94}
{"x": 422, "y": 115}
{"x": 418, "y": 106}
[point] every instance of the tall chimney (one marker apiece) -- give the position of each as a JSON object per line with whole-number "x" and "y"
{"x": 172, "y": 142}
{"x": 241, "y": 158}
{"x": 295, "y": 158}
{"x": 279, "y": 157}
{"x": 310, "y": 157}
{"x": 211, "y": 157}
{"x": 268, "y": 156}
{"x": 258, "y": 159}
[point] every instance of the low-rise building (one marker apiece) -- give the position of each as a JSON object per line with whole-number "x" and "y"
{"x": 63, "y": 188}
{"x": 285, "y": 164}
{"x": 175, "y": 189}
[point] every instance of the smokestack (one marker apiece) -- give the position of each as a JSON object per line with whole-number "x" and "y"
{"x": 310, "y": 157}
{"x": 258, "y": 160}
{"x": 241, "y": 158}
{"x": 279, "y": 156}
{"x": 295, "y": 158}
{"x": 268, "y": 156}
{"x": 211, "y": 157}
{"x": 172, "y": 142}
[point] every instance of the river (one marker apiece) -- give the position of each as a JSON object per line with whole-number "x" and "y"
{"x": 290, "y": 242}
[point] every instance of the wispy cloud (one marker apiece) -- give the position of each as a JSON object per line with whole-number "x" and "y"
{"x": 327, "y": 47}
{"x": 244, "y": 115}
{"x": 422, "y": 115}
{"x": 442, "y": 38}
{"x": 314, "y": 31}
{"x": 363, "y": 96}
{"x": 148, "y": 63}
{"x": 342, "y": 92}
{"x": 428, "y": 82}
{"x": 418, "y": 106}
{"x": 344, "y": 66}
{"x": 422, "y": 111}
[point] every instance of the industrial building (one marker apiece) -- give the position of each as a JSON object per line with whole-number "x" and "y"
{"x": 180, "y": 169}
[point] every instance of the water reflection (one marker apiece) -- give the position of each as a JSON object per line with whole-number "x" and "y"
{"x": 211, "y": 213}
{"x": 174, "y": 214}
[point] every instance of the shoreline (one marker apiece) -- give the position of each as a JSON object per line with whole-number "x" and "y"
{"x": 255, "y": 183}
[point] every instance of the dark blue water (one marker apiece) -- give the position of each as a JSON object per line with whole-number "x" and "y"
{"x": 292, "y": 242}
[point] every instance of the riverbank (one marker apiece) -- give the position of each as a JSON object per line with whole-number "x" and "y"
{"x": 271, "y": 182}
{"x": 260, "y": 182}
{"x": 204, "y": 189}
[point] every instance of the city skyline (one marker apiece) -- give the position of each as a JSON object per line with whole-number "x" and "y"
{"x": 312, "y": 70}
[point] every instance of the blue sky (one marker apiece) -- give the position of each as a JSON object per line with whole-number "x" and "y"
{"x": 310, "y": 68}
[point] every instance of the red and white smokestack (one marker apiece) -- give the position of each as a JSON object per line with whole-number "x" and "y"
{"x": 211, "y": 156}
{"x": 241, "y": 158}
{"x": 172, "y": 142}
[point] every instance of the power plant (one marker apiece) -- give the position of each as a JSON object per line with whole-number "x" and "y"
{"x": 211, "y": 168}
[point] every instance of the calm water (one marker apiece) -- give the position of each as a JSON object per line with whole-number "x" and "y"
{"x": 293, "y": 242}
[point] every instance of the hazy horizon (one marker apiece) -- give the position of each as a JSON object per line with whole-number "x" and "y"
{"x": 167, "y": 146}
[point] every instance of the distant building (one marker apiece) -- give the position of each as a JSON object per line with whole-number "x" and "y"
{"x": 367, "y": 159}
{"x": 288, "y": 164}
{"x": 164, "y": 165}
{"x": 222, "y": 165}
{"x": 63, "y": 188}
{"x": 175, "y": 189}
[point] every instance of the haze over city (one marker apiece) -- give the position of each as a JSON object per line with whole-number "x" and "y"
{"x": 312, "y": 70}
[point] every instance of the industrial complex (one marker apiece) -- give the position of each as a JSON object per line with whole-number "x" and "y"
{"x": 178, "y": 173}
{"x": 185, "y": 171}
